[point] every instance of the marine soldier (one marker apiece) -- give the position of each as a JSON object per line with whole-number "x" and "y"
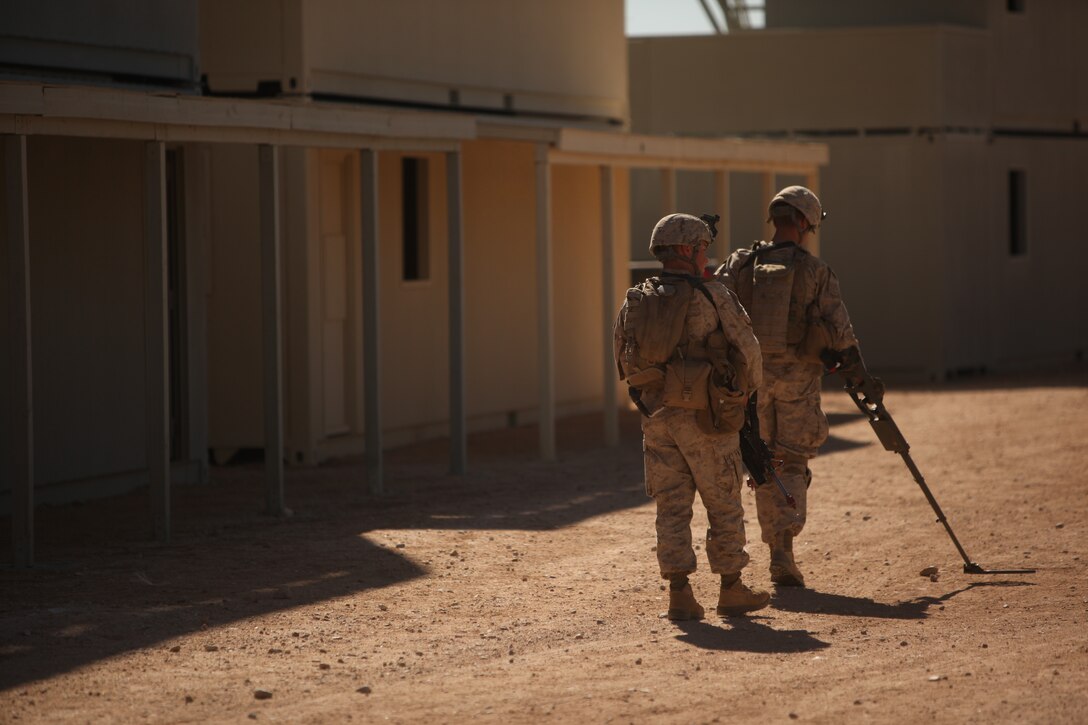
{"x": 686, "y": 349}
{"x": 802, "y": 325}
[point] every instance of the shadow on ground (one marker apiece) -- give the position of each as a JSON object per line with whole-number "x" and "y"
{"x": 103, "y": 589}
{"x": 747, "y": 634}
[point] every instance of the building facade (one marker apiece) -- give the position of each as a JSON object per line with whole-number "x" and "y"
{"x": 956, "y": 133}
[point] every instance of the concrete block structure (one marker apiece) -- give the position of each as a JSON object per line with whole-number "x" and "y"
{"x": 957, "y": 136}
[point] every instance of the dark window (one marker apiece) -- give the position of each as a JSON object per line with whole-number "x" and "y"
{"x": 1018, "y": 238}
{"x": 414, "y": 211}
{"x": 1015, "y": 6}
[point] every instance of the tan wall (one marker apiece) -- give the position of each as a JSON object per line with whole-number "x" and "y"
{"x": 235, "y": 404}
{"x": 415, "y": 319}
{"x": 563, "y": 56}
{"x": 1040, "y": 70}
{"x": 577, "y": 265}
{"x": 87, "y": 300}
{"x": 1040, "y": 297}
{"x": 693, "y": 85}
{"x": 500, "y": 276}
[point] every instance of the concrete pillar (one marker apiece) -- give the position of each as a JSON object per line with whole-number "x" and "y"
{"x": 458, "y": 418}
{"x": 610, "y": 304}
{"x": 545, "y": 323}
{"x": 157, "y": 339}
{"x": 17, "y": 448}
{"x": 372, "y": 407}
{"x": 271, "y": 328}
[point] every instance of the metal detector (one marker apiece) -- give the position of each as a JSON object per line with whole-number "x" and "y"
{"x": 868, "y": 396}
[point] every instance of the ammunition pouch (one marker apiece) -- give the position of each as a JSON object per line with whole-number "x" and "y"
{"x": 686, "y": 384}
{"x": 772, "y": 285}
{"x": 724, "y": 413}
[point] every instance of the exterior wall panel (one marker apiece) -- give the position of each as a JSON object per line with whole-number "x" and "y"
{"x": 87, "y": 300}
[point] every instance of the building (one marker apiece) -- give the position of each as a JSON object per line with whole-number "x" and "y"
{"x": 314, "y": 228}
{"x": 957, "y": 135}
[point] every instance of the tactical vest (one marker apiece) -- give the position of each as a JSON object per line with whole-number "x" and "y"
{"x": 771, "y": 288}
{"x": 658, "y": 354}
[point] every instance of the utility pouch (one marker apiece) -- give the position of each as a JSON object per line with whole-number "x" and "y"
{"x": 686, "y": 384}
{"x": 725, "y": 410}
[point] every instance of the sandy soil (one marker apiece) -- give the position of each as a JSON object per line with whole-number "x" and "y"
{"x": 528, "y": 591}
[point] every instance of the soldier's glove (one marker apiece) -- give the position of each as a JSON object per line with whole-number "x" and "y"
{"x": 831, "y": 359}
{"x": 852, "y": 369}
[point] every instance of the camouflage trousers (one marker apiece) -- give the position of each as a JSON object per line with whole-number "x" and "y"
{"x": 791, "y": 422}
{"x": 679, "y": 460}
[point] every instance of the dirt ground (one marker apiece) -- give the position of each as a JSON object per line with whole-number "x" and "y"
{"x": 527, "y": 591}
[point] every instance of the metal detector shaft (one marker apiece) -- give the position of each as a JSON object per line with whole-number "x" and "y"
{"x": 867, "y": 396}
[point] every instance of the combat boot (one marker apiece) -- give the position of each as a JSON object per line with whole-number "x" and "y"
{"x": 784, "y": 571}
{"x": 682, "y": 604}
{"x": 736, "y": 598}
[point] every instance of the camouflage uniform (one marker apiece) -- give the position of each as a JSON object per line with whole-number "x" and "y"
{"x": 789, "y": 397}
{"x": 681, "y": 459}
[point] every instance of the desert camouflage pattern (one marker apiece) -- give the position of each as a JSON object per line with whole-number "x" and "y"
{"x": 702, "y": 319}
{"x": 680, "y": 459}
{"x": 790, "y": 417}
{"x": 794, "y": 426}
{"x": 815, "y": 292}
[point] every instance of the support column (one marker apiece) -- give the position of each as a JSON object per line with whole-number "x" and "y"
{"x": 723, "y": 244}
{"x": 372, "y": 408}
{"x": 608, "y": 296}
{"x": 157, "y": 339}
{"x": 668, "y": 191}
{"x": 458, "y": 420}
{"x": 271, "y": 328}
{"x": 545, "y": 324}
{"x": 767, "y": 191}
{"x": 812, "y": 241}
{"x": 18, "y": 452}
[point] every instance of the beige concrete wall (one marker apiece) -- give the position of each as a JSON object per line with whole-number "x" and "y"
{"x": 500, "y": 277}
{"x": 234, "y": 301}
{"x": 87, "y": 298}
{"x": 836, "y": 79}
{"x": 123, "y": 37}
{"x": 415, "y": 319}
{"x": 1040, "y": 297}
{"x": 578, "y": 265}
{"x": 563, "y": 56}
{"x": 1040, "y": 71}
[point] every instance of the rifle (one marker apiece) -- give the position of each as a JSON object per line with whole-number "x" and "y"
{"x": 756, "y": 455}
{"x": 867, "y": 393}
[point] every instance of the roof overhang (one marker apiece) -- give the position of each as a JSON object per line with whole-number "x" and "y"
{"x": 579, "y": 146}
{"x": 39, "y": 109}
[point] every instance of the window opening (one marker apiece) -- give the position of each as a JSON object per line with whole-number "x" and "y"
{"x": 414, "y": 222}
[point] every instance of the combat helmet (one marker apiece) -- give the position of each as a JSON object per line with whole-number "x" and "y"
{"x": 801, "y": 199}
{"x": 682, "y": 230}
